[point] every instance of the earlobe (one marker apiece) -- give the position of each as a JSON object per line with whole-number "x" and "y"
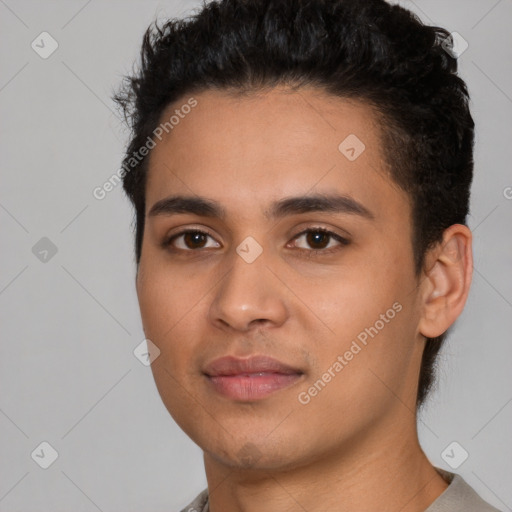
{"x": 446, "y": 281}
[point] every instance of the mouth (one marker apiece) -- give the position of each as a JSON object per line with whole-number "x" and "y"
{"x": 250, "y": 379}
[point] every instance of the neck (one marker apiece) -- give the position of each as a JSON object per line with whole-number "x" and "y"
{"x": 384, "y": 471}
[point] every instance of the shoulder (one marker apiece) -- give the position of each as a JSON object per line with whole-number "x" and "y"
{"x": 200, "y": 503}
{"x": 459, "y": 497}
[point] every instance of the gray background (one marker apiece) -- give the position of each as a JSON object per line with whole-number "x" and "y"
{"x": 70, "y": 324}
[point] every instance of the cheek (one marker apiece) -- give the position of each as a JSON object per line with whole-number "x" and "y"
{"x": 372, "y": 317}
{"x": 165, "y": 295}
{"x": 169, "y": 305}
{"x": 354, "y": 298}
{"x": 360, "y": 372}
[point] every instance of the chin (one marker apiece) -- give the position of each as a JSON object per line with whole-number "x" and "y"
{"x": 255, "y": 455}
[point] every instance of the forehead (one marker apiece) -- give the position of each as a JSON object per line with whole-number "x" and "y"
{"x": 248, "y": 150}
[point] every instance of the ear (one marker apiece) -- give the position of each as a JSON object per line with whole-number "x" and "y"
{"x": 446, "y": 281}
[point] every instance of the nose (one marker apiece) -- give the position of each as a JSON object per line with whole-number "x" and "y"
{"x": 249, "y": 296}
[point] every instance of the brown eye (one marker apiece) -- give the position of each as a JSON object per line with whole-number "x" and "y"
{"x": 319, "y": 240}
{"x": 194, "y": 240}
{"x": 190, "y": 241}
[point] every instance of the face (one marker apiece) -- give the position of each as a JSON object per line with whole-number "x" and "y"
{"x": 277, "y": 278}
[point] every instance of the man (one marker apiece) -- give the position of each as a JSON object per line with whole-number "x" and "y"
{"x": 300, "y": 172}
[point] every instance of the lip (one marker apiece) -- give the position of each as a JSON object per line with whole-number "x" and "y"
{"x": 250, "y": 379}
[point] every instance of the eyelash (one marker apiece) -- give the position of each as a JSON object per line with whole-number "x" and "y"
{"x": 310, "y": 252}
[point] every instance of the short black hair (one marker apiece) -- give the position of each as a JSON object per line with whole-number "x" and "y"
{"x": 367, "y": 50}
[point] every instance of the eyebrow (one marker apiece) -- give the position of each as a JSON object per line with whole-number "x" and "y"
{"x": 204, "y": 207}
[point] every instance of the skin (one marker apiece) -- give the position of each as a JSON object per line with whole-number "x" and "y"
{"x": 354, "y": 446}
